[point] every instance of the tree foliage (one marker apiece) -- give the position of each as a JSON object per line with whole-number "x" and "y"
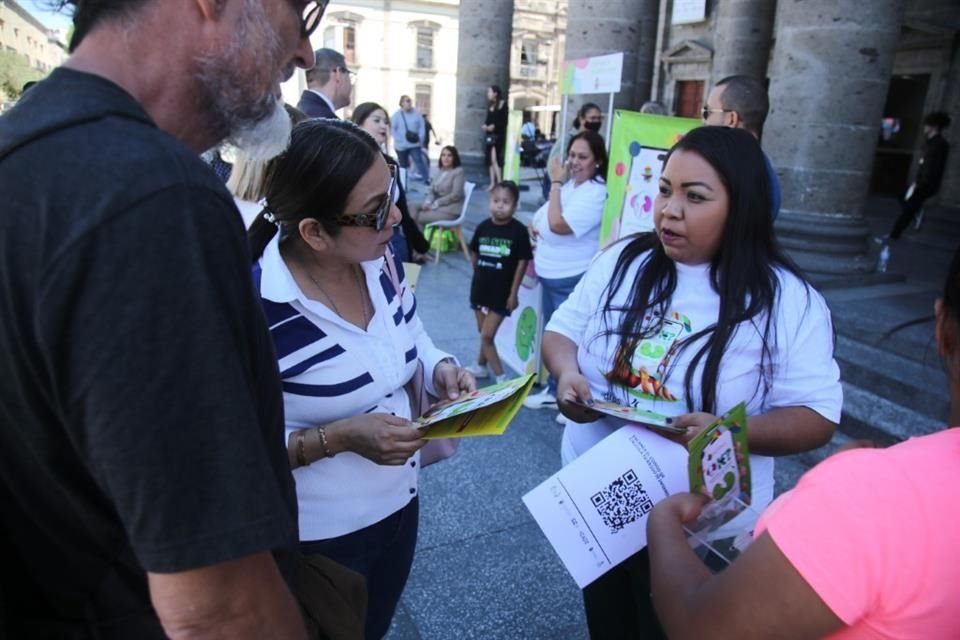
{"x": 14, "y": 72}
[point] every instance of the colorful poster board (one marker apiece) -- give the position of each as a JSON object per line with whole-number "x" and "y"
{"x": 599, "y": 74}
{"x": 511, "y": 154}
{"x": 519, "y": 338}
{"x": 639, "y": 142}
{"x": 485, "y": 412}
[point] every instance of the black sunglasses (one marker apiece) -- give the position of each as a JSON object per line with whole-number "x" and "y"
{"x": 376, "y": 219}
{"x": 312, "y": 12}
{"x": 352, "y": 74}
{"x": 706, "y": 111}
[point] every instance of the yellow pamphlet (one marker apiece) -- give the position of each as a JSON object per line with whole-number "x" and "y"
{"x": 485, "y": 412}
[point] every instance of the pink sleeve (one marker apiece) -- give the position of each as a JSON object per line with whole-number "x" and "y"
{"x": 844, "y": 528}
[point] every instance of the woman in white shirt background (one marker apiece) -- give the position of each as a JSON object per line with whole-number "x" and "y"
{"x": 348, "y": 339}
{"x": 688, "y": 321}
{"x": 566, "y": 230}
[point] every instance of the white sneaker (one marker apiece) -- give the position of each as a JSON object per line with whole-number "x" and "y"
{"x": 478, "y": 370}
{"x": 561, "y": 419}
{"x": 542, "y": 400}
{"x": 501, "y": 378}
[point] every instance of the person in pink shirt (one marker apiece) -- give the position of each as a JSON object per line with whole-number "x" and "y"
{"x": 863, "y": 547}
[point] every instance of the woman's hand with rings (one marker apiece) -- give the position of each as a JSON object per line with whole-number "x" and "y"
{"x": 452, "y": 381}
{"x": 573, "y": 392}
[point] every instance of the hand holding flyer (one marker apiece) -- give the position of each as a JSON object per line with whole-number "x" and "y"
{"x": 594, "y": 510}
{"x": 484, "y": 412}
{"x": 719, "y": 467}
{"x": 643, "y": 417}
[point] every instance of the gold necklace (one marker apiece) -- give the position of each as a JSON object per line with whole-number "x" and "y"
{"x": 360, "y": 287}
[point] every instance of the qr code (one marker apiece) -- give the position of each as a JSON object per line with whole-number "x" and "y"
{"x": 623, "y": 502}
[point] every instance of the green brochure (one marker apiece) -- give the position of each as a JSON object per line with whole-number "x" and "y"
{"x": 719, "y": 467}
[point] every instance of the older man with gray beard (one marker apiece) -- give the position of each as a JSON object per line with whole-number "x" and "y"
{"x": 144, "y": 482}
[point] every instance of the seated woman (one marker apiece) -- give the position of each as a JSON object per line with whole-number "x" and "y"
{"x": 445, "y": 199}
{"x": 863, "y": 547}
{"x": 408, "y": 242}
{"x": 347, "y": 339}
{"x": 688, "y": 321}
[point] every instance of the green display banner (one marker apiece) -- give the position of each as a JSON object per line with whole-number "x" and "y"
{"x": 639, "y": 142}
{"x": 511, "y": 154}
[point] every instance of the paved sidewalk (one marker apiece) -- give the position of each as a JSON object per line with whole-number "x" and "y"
{"x": 483, "y": 568}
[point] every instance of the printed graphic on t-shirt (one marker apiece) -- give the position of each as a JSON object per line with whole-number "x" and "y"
{"x": 492, "y": 252}
{"x": 644, "y": 377}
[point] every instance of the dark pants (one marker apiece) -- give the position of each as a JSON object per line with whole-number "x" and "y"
{"x": 909, "y": 209}
{"x": 618, "y": 604}
{"x": 383, "y": 553}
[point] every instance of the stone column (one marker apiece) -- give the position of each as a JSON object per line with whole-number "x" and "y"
{"x": 742, "y": 33}
{"x": 599, "y": 27}
{"x": 831, "y": 72}
{"x": 483, "y": 59}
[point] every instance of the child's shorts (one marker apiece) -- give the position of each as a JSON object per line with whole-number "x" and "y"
{"x": 482, "y": 309}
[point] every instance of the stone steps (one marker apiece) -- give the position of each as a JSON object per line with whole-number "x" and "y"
{"x": 910, "y": 384}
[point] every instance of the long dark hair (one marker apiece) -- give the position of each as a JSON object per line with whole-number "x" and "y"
{"x": 363, "y": 111}
{"x": 599, "y": 150}
{"x": 582, "y": 113}
{"x": 313, "y": 178}
{"x": 453, "y": 152}
{"x": 496, "y": 101}
{"x": 743, "y": 272}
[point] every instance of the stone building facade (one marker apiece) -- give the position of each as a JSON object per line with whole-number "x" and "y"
{"x": 536, "y": 60}
{"x": 407, "y": 48}
{"x": 26, "y": 36}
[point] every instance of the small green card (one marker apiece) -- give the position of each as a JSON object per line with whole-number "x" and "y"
{"x": 719, "y": 467}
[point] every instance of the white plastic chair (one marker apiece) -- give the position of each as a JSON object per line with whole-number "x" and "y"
{"x": 456, "y": 224}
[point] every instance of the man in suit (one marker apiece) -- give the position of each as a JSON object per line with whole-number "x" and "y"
{"x": 329, "y": 84}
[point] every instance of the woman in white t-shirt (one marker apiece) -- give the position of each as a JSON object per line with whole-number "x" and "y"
{"x": 566, "y": 230}
{"x": 688, "y": 321}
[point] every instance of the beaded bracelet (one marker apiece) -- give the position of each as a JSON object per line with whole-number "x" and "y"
{"x": 323, "y": 442}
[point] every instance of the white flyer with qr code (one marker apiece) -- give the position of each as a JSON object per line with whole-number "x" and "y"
{"x": 594, "y": 511}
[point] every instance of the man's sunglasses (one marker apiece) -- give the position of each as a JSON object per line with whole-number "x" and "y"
{"x": 375, "y": 219}
{"x": 352, "y": 74}
{"x": 707, "y": 111}
{"x": 312, "y": 12}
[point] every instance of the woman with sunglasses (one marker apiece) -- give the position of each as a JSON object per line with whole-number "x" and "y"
{"x": 347, "y": 339}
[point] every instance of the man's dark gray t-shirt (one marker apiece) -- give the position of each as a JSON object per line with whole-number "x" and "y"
{"x": 142, "y": 420}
